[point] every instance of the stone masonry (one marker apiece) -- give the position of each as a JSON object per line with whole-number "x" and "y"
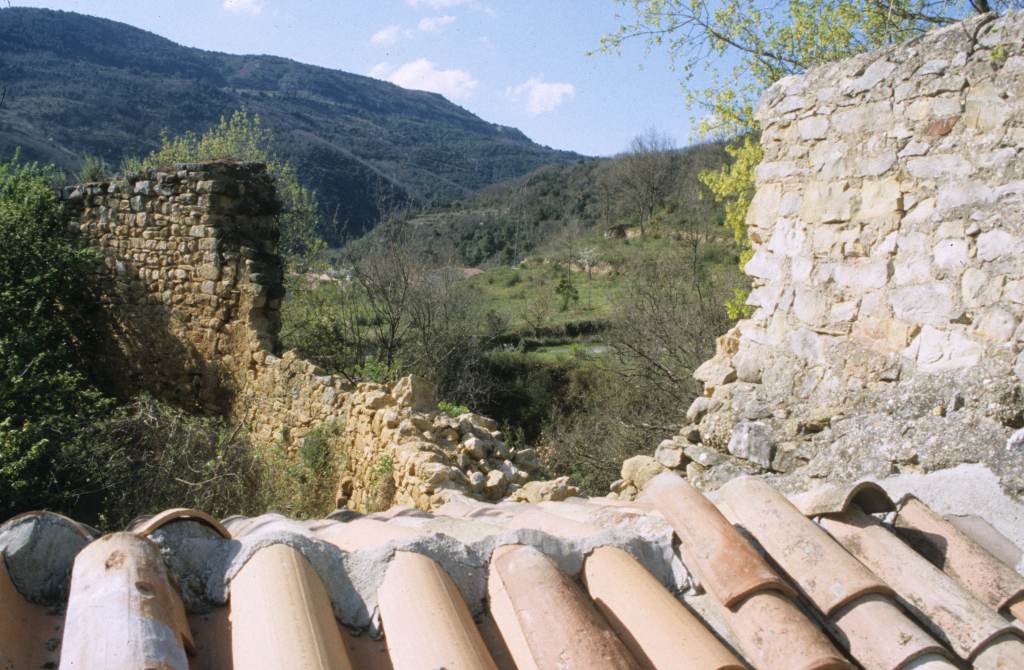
{"x": 192, "y": 285}
{"x": 888, "y": 275}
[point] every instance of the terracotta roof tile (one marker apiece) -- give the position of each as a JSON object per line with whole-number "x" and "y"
{"x": 727, "y": 565}
{"x": 823, "y": 570}
{"x": 439, "y": 631}
{"x": 948, "y": 609}
{"x": 860, "y": 607}
{"x": 281, "y": 615}
{"x": 30, "y": 634}
{"x": 545, "y": 618}
{"x": 122, "y": 609}
{"x": 990, "y": 580}
{"x": 656, "y": 627}
{"x": 570, "y": 584}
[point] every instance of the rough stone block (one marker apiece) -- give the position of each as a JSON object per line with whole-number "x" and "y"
{"x": 753, "y": 441}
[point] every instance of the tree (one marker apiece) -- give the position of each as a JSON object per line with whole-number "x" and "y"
{"x": 566, "y": 290}
{"x": 646, "y": 173}
{"x": 243, "y": 138}
{"x": 765, "y": 43}
{"x": 44, "y": 302}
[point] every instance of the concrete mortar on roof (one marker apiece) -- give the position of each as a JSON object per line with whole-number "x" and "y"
{"x": 203, "y": 563}
{"x": 39, "y": 551}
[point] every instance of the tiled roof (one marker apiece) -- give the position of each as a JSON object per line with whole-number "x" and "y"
{"x": 840, "y": 578}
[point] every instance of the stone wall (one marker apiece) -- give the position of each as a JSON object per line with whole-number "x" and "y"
{"x": 888, "y": 273}
{"x": 191, "y": 284}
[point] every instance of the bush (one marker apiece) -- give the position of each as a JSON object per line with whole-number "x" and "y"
{"x": 93, "y": 168}
{"x": 451, "y": 408}
{"x": 147, "y": 456}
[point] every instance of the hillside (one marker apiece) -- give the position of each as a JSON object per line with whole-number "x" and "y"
{"x": 81, "y": 85}
{"x": 558, "y": 205}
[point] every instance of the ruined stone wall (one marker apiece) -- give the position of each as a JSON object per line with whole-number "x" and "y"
{"x": 888, "y": 272}
{"x": 191, "y": 278}
{"x": 191, "y": 284}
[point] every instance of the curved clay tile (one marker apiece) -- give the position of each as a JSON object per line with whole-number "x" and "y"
{"x": 826, "y": 573}
{"x": 80, "y": 529}
{"x": 657, "y": 628}
{"x": 880, "y": 636}
{"x": 1003, "y": 653}
{"x": 362, "y": 533}
{"x": 146, "y": 526}
{"x": 30, "y": 634}
{"x": 547, "y": 623}
{"x": 727, "y": 565}
{"x": 990, "y": 580}
{"x": 211, "y": 634}
{"x": 835, "y": 498}
{"x": 949, "y": 610}
{"x": 123, "y": 612}
{"x": 365, "y": 652}
{"x": 775, "y": 635}
{"x": 281, "y": 616}
{"x": 438, "y": 632}
{"x": 552, "y": 524}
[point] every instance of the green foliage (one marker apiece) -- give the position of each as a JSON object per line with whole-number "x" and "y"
{"x": 382, "y": 484}
{"x": 146, "y": 456}
{"x": 44, "y": 333}
{"x": 243, "y": 138}
{"x": 375, "y": 370}
{"x": 566, "y": 290}
{"x": 298, "y": 477}
{"x": 736, "y": 306}
{"x": 93, "y": 168}
{"x": 508, "y": 222}
{"x": 452, "y": 408}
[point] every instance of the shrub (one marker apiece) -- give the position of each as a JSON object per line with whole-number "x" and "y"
{"x": 147, "y": 456}
{"x": 451, "y": 408}
{"x": 93, "y": 168}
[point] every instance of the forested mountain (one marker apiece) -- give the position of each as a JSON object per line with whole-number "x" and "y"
{"x": 78, "y": 85}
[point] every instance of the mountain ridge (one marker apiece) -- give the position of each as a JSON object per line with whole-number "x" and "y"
{"x": 78, "y": 85}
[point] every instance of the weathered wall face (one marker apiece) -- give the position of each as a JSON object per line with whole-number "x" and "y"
{"x": 888, "y": 273}
{"x": 191, "y": 277}
{"x": 192, "y": 287}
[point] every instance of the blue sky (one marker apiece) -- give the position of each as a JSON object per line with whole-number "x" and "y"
{"x": 521, "y": 63}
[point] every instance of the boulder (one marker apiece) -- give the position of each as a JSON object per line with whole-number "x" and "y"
{"x": 553, "y": 489}
{"x": 753, "y": 441}
{"x": 698, "y": 408}
{"x": 641, "y": 469}
{"x": 416, "y": 393}
{"x": 495, "y": 484}
{"x": 527, "y": 459}
{"x": 670, "y": 454}
{"x": 474, "y": 447}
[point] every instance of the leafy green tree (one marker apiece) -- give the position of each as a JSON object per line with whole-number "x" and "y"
{"x": 44, "y": 299}
{"x": 244, "y": 138}
{"x": 567, "y": 291}
{"x": 744, "y": 47}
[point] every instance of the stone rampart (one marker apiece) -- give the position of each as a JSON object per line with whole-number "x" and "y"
{"x": 888, "y": 272}
{"x": 191, "y": 286}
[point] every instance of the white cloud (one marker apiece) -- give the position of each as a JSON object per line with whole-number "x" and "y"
{"x": 252, "y": 7}
{"x": 541, "y": 96}
{"x": 434, "y": 23}
{"x": 386, "y": 35}
{"x": 423, "y": 75}
{"x": 437, "y": 4}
